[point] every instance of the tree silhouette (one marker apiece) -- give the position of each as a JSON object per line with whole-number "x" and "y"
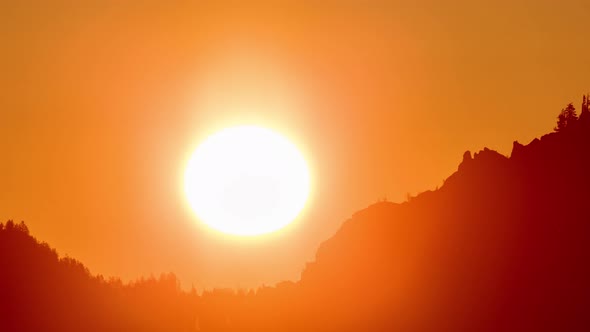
{"x": 40, "y": 291}
{"x": 585, "y": 102}
{"x": 566, "y": 117}
{"x": 503, "y": 245}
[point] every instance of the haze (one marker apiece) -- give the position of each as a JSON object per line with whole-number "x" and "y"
{"x": 103, "y": 104}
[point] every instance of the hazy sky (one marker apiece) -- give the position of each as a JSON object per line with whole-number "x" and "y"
{"x": 102, "y": 104}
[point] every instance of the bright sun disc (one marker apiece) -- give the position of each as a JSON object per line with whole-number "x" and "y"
{"x": 247, "y": 180}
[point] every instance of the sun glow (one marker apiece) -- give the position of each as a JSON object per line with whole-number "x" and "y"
{"x": 247, "y": 180}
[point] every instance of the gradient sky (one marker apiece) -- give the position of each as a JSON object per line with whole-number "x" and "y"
{"x": 103, "y": 103}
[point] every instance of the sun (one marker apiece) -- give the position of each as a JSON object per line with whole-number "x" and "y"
{"x": 247, "y": 180}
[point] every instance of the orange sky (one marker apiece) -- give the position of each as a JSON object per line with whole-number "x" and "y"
{"x": 102, "y": 105}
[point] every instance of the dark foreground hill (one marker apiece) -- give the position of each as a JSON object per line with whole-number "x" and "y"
{"x": 41, "y": 292}
{"x": 503, "y": 245}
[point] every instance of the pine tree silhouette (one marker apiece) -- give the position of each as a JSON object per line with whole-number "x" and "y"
{"x": 566, "y": 118}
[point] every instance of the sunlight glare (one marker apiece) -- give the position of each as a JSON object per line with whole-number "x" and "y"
{"x": 247, "y": 180}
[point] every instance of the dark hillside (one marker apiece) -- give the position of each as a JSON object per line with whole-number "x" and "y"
{"x": 503, "y": 245}
{"x": 41, "y": 292}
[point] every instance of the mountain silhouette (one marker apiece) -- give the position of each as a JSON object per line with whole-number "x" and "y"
{"x": 502, "y": 245}
{"x": 41, "y": 292}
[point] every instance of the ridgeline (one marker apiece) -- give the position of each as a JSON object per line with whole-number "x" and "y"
{"x": 503, "y": 245}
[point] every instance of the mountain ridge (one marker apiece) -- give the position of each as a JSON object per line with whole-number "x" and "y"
{"x": 497, "y": 223}
{"x": 503, "y": 244}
